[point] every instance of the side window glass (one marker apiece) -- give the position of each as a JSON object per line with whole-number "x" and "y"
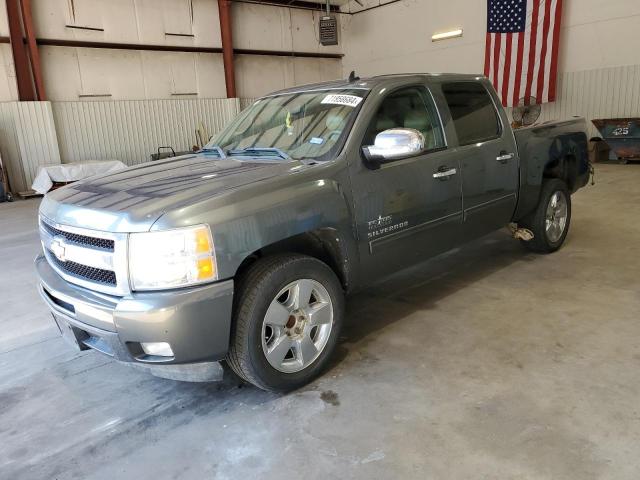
{"x": 473, "y": 112}
{"x": 407, "y": 108}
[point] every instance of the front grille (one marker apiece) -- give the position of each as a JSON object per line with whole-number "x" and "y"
{"x": 106, "y": 277}
{"x": 102, "y": 243}
{"x": 91, "y": 258}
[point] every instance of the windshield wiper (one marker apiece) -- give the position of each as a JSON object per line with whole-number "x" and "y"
{"x": 213, "y": 149}
{"x": 259, "y": 152}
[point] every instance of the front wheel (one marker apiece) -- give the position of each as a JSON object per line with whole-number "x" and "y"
{"x": 551, "y": 219}
{"x": 288, "y": 316}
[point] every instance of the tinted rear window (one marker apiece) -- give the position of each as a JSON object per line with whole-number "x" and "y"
{"x": 474, "y": 115}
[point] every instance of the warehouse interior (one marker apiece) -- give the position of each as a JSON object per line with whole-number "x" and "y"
{"x": 487, "y": 361}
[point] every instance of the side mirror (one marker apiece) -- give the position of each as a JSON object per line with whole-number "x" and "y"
{"x": 392, "y": 145}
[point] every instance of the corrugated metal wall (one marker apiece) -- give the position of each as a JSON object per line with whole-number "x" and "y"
{"x": 131, "y": 130}
{"x": 37, "y": 138}
{"x": 28, "y": 140}
{"x": 10, "y": 148}
{"x": 603, "y": 93}
{"x": 246, "y": 102}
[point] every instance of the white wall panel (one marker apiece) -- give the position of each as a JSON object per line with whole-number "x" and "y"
{"x": 260, "y": 75}
{"x": 129, "y": 21}
{"x": 9, "y": 148}
{"x": 37, "y": 138}
{"x": 313, "y": 70}
{"x": 131, "y": 130}
{"x": 8, "y": 86}
{"x": 4, "y": 21}
{"x": 72, "y": 73}
{"x": 178, "y": 16}
{"x": 602, "y": 93}
{"x": 28, "y": 140}
{"x": 264, "y": 27}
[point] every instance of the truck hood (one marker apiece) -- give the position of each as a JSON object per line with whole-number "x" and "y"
{"x": 132, "y": 200}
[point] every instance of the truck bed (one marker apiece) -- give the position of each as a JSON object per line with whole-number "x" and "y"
{"x": 542, "y": 149}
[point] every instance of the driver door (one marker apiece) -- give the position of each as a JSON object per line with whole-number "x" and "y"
{"x": 407, "y": 210}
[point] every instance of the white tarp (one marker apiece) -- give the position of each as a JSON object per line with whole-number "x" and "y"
{"x": 72, "y": 172}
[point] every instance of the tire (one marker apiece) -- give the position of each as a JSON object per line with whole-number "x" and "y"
{"x": 267, "y": 317}
{"x": 546, "y": 222}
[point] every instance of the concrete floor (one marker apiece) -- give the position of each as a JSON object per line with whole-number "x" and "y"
{"x": 490, "y": 363}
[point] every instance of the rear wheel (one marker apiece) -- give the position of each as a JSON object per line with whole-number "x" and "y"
{"x": 551, "y": 219}
{"x": 288, "y": 316}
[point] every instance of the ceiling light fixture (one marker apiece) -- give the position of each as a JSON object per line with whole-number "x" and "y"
{"x": 446, "y": 35}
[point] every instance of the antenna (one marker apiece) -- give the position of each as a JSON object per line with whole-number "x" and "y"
{"x": 353, "y": 77}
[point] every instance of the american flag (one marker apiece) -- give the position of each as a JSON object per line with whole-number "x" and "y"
{"x": 521, "y": 53}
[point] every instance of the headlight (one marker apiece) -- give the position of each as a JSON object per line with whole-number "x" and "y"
{"x": 171, "y": 259}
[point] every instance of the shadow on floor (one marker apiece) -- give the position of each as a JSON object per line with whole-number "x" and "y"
{"x": 421, "y": 287}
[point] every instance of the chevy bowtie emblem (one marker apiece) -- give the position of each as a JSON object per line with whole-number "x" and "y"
{"x": 58, "y": 247}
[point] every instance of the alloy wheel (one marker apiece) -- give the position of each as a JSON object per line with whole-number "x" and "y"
{"x": 556, "y": 217}
{"x": 297, "y": 326}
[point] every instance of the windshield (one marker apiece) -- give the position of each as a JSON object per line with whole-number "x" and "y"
{"x": 311, "y": 125}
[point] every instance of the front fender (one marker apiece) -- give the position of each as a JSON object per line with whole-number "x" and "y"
{"x": 247, "y": 221}
{"x": 275, "y": 216}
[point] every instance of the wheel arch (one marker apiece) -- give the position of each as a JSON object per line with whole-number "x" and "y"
{"x": 325, "y": 244}
{"x": 538, "y": 220}
{"x": 564, "y": 168}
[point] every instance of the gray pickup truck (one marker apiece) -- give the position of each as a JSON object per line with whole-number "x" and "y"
{"x": 244, "y": 252}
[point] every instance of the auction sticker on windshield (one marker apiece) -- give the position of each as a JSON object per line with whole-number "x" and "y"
{"x": 346, "y": 100}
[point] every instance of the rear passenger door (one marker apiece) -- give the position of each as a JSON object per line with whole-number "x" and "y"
{"x": 487, "y": 152}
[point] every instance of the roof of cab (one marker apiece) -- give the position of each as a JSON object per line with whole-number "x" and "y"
{"x": 372, "y": 82}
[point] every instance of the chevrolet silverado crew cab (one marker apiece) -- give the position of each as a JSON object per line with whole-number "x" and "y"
{"x": 244, "y": 251}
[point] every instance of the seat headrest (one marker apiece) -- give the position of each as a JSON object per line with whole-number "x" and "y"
{"x": 418, "y": 120}
{"x": 384, "y": 123}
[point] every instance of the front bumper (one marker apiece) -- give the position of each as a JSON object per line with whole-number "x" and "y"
{"x": 195, "y": 322}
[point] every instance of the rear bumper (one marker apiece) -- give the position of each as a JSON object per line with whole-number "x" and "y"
{"x": 195, "y": 322}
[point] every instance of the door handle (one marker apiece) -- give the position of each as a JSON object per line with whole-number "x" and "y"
{"x": 444, "y": 174}
{"x": 504, "y": 157}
